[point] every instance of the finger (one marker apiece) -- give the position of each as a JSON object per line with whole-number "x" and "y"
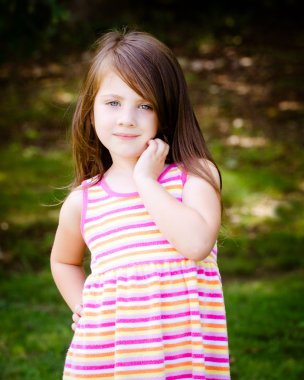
{"x": 162, "y": 148}
{"x": 160, "y": 142}
{"x": 152, "y": 146}
{"x": 73, "y": 326}
{"x": 78, "y": 309}
{"x": 75, "y": 317}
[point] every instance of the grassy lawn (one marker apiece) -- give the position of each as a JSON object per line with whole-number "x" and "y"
{"x": 266, "y": 327}
{"x": 35, "y": 326}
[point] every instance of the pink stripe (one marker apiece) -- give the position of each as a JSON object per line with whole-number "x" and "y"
{"x": 169, "y": 179}
{"x": 216, "y": 360}
{"x": 117, "y": 364}
{"x": 210, "y": 295}
{"x": 208, "y": 273}
{"x": 134, "y": 245}
{"x": 89, "y": 367}
{"x": 213, "y": 316}
{"x": 97, "y": 305}
{"x": 84, "y": 209}
{"x": 125, "y": 228}
{"x": 169, "y": 167}
{"x": 154, "y": 340}
{"x": 215, "y": 338}
{"x": 138, "y": 341}
{"x": 185, "y": 375}
{"x": 135, "y": 207}
{"x": 171, "y": 273}
{"x": 156, "y": 295}
{"x": 157, "y": 317}
{"x": 139, "y": 298}
{"x": 184, "y": 176}
{"x": 139, "y": 363}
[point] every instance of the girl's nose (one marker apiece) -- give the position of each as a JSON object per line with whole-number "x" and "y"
{"x": 126, "y": 118}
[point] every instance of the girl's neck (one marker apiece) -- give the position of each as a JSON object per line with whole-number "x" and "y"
{"x": 122, "y": 168}
{"x": 119, "y": 178}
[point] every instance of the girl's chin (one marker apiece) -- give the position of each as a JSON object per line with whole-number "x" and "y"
{"x": 127, "y": 156}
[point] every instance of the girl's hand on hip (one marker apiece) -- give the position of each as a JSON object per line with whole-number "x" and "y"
{"x": 152, "y": 161}
{"x": 76, "y": 316}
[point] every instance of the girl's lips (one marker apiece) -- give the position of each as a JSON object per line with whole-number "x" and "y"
{"x": 126, "y": 136}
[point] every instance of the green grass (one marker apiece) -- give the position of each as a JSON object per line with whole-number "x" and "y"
{"x": 266, "y": 327}
{"x": 36, "y": 328}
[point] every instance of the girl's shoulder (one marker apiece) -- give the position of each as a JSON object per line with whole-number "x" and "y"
{"x": 206, "y": 173}
{"x": 71, "y": 209}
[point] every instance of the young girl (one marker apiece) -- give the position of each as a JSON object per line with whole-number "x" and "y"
{"x": 146, "y": 202}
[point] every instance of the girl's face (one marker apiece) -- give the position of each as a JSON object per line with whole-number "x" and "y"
{"x": 124, "y": 122}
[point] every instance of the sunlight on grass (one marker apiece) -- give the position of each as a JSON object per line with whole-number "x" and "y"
{"x": 261, "y": 330}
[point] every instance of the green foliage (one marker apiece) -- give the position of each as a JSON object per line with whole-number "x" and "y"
{"x": 30, "y": 26}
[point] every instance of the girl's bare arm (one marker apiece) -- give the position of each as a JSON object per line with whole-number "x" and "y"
{"x": 191, "y": 226}
{"x": 68, "y": 250}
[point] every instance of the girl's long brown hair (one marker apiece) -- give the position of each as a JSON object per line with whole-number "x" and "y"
{"x": 151, "y": 69}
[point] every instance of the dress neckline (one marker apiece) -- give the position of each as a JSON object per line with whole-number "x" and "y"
{"x": 133, "y": 194}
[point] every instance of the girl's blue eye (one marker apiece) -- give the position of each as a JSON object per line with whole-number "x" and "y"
{"x": 113, "y": 103}
{"x": 146, "y": 107}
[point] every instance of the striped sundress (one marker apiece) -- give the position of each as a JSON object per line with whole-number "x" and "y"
{"x": 148, "y": 312}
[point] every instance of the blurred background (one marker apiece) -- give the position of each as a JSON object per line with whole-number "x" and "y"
{"x": 244, "y": 65}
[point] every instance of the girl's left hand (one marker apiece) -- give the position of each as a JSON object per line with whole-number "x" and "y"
{"x": 76, "y": 316}
{"x": 152, "y": 161}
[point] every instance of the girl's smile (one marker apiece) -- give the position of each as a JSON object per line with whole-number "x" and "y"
{"x": 126, "y": 136}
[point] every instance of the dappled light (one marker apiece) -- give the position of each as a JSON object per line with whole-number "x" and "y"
{"x": 246, "y": 141}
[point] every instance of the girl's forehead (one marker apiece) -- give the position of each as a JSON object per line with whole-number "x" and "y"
{"x": 111, "y": 78}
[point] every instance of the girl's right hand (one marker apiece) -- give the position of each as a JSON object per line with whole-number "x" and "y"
{"x": 152, "y": 161}
{"x": 76, "y": 316}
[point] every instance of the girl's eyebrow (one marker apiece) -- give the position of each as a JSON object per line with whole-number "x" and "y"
{"x": 111, "y": 96}
{"x": 119, "y": 97}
